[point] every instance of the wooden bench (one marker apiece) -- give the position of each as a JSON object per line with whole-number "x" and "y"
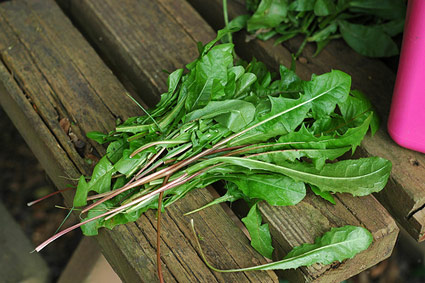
{"x": 404, "y": 196}
{"x": 48, "y": 72}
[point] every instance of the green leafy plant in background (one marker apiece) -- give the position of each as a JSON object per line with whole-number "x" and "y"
{"x": 367, "y": 26}
{"x": 269, "y": 137}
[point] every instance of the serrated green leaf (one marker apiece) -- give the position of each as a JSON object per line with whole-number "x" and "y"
{"x": 317, "y": 155}
{"x": 306, "y": 139}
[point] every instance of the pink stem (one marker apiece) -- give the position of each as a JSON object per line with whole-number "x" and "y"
{"x": 49, "y": 195}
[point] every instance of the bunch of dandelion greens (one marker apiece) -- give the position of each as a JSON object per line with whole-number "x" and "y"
{"x": 367, "y": 26}
{"x": 268, "y": 138}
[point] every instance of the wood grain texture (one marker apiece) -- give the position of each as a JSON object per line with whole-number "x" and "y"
{"x": 404, "y": 196}
{"x": 49, "y": 72}
{"x": 291, "y": 226}
{"x": 312, "y": 217}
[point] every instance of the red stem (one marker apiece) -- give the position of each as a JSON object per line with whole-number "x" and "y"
{"x": 170, "y": 185}
{"x": 49, "y": 195}
{"x": 158, "y": 234}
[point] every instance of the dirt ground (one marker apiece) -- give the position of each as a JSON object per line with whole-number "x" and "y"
{"x": 22, "y": 180}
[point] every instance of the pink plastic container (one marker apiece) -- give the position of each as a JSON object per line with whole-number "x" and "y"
{"x": 406, "y": 123}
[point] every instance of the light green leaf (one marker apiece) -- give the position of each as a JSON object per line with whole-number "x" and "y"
{"x": 174, "y": 79}
{"x": 336, "y": 245}
{"x": 80, "y": 198}
{"x": 210, "y": 69}
{"x": 233, "y": 114}
{"x": 261, "y": 239}
{"x": 325, "y": 195}
{"x": 97, "y": 136}
{"x": 128, "y": 165}
{"x": 100, "y": 181}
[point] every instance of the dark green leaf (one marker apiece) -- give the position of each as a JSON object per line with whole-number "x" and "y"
{"x": 100, "y": 181}
{"x": 357, "y": 108}
{"x": 330, "y": 89}
{"x": 211, "y": 67}
{"x": 115, "y": 150}
{"x": 323, "y": 34}
{"x": 304, "y": 139}
{"x": 387, "y": 9}
{"x": 302, "y": 5}
{"x": 369, "y": 41}
{"x": 269, "y": 14}
{"x": 324, "y": 7}
{"x": 276, "y": 189}
{"x": 317, "y": 155}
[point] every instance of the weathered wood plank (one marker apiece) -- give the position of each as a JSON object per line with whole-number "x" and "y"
{"x": 274, "y": 55}
{"x": 49, "y": 72}
{"x": 404, "y": 196}
{"x": 94, "y": 268}
{"x": 299, "y": 226}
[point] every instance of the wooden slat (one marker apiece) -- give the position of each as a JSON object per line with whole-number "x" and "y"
{"x": 291, "y": 226}
{"x": 94, "y": 268}
{"x": 49, "y": 72}
{"x": 404, "y": 196}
